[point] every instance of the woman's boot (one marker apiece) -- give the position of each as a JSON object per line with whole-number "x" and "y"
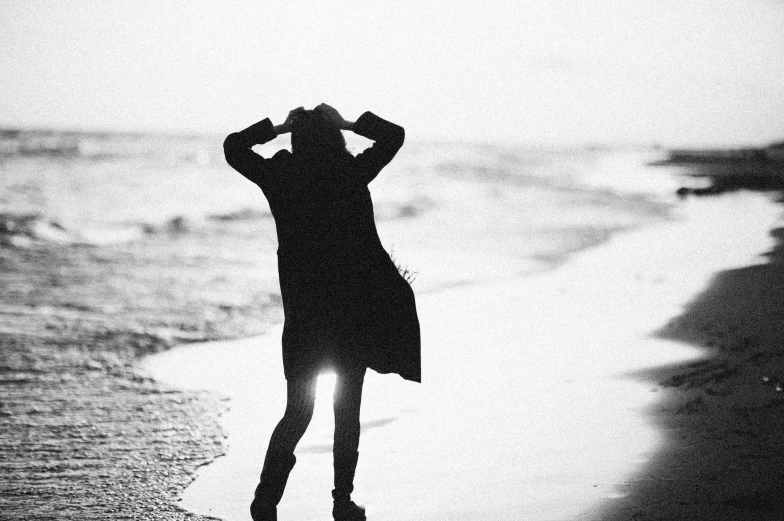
{"x": 277, "y": 466}
{"x": 343, "y": 509}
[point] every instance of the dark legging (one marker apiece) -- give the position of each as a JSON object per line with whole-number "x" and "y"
{"x": 301, "y": 398}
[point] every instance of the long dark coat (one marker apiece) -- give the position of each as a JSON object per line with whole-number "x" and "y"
{"x": 346, "y": 306}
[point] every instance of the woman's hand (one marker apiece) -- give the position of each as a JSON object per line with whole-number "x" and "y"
{"x": 285, "y": 127}
{"x": 335, "y": 116}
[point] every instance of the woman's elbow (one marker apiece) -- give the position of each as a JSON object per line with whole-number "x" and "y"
{"x": 232, "y": 146}
{"x": 398, "y": 137}
{"x": 230, "y": 141}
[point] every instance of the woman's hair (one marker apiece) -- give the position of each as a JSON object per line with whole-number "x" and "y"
{"x": 314, "y": 133}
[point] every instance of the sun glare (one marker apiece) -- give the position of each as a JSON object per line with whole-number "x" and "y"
{"x": 325, "y": 388}
{"x": 321, "y": 426}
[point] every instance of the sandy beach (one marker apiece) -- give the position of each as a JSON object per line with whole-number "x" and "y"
{"x": 588, "y": 197}
{"x": 576, "y": 393}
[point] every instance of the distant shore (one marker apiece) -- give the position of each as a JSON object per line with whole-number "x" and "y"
{"x": 760, "y": 169}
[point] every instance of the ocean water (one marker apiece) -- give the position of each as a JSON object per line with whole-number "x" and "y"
{"x": 490, "y": 210}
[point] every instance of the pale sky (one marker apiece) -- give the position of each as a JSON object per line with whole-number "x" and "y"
{"x": 532, "y": 71}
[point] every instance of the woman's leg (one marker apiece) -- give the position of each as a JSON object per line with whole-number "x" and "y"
{"x": 347, "y": 401}
{"x": 301, "y": 397}
{"x": 280, "y": 455}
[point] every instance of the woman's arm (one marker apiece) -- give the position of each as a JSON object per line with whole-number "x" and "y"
{"x": 237, "y": 148}
{"x": 388, "y": 139}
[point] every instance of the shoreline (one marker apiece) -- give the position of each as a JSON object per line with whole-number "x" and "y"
{"x": 721, "y": 415}
{"x": 85, "y": 436}
{"x": 412, "y": 418}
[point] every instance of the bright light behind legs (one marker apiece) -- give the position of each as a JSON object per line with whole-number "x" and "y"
{"x": 325, "y": 390}
{"x": 321, "y": 428}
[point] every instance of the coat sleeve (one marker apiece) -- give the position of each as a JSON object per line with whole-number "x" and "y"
{"x": 237, "y": 149}
{"x": 388, "y": 139}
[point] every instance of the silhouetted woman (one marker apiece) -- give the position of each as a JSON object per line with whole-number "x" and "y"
{"x": 346, "y": 306}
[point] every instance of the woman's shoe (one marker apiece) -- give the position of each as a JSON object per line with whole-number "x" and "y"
{"x": 272, "y": 483}
{"x": 348, "y": 511}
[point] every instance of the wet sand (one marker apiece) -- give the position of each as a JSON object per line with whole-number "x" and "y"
{"x": 721, "y": 416}
{"x": 532, "y": 403}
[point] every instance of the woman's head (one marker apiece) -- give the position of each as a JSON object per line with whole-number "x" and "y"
{"x": 314, "y": 133}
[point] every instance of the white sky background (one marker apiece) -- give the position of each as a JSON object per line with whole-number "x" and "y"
{"x": 533, "y": 71}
